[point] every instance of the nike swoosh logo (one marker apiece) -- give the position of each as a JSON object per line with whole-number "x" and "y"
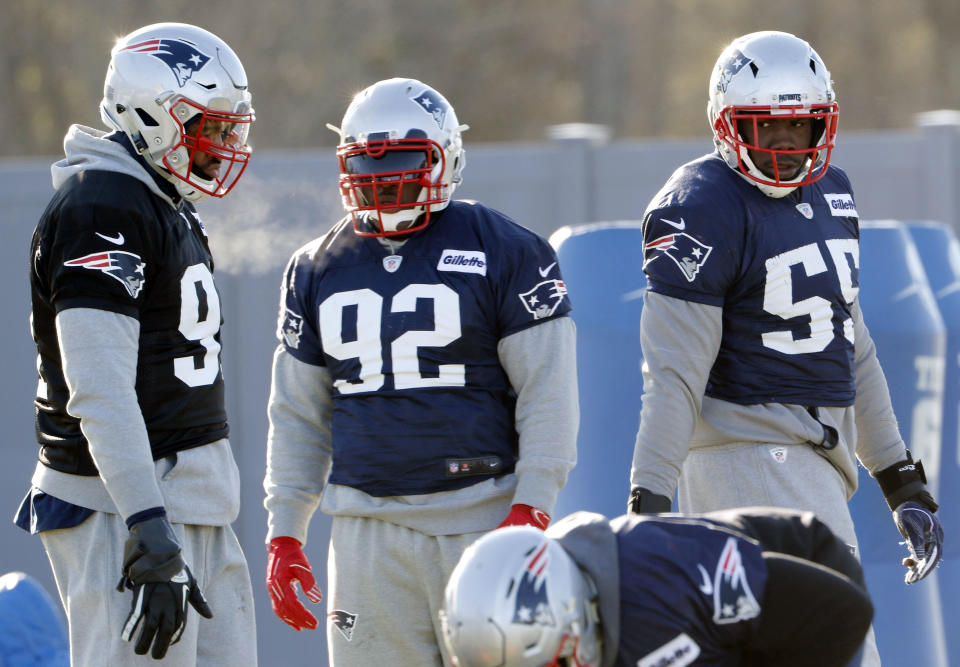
{"x": 706, "y": 587}
{"x": 679, "y": 225}
{"x": 118, "y": 239}
{"x": 541, "y": 517}
{"x": 544, "y": 272}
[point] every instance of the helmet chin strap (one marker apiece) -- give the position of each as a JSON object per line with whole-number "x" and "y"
{"x": 772, "y": 191}
{"x": 188, "y": 191}
{"x": 394, "y": 222}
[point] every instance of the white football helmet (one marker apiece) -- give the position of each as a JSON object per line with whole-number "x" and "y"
{"x": 401, "y": 156}
{"x": 767, "y": 75}
{"x": 163, "y": 76}
{"x": 517, "y": 599}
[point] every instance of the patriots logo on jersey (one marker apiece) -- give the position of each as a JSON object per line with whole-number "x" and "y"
{"x": 291, "y": 329}
{"x": 730, "y": 67}
{"x": 344, "y": 621}
{"x": 733, "y": 600}
{"x": 542, "y": 300}
{"x": 180, "y": 56}
{"x": 120, "y": 265}
{"x": 685, "y": 251}
{"x": 433, "y": 105}
{"x": 532, "y": 606}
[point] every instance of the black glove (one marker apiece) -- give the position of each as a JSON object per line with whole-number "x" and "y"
{"x": 924, "y": 535}
{"x": 162, "y": 586}
{"x": 643, "y": 501}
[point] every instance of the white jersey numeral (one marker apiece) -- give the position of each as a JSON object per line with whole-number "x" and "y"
{"x": 367, "y": 348}
{"x": 406, "y": 359}
{"x": 840, "y": 251}
{"x": 196, "y": 279}
{"x": 778, "y": 295}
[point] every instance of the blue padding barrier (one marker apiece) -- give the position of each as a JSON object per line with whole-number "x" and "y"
{"x": 32, "y": 630}
{"x": 602, "y": 266}
{"x": 910, "y": 337}
{"x": 939, "y": 251}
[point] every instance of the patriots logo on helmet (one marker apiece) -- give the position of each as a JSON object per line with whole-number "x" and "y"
{"x": 730, "y": 67}
{"x": 532, "y": 606}
{"x": 685, "y": 251}
{"x": 433, "y": 105}
{"x": 120, "y": 265}
{"x": 733, "y": 600}
{"x": 344, "y": 622}
{"x": 182, "y": 57}
{"x": 542, "y": 300}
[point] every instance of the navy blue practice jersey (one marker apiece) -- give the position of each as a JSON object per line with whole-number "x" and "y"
{"x": 785, "y": 272}
{"x": 107, "y": 242}
{"x": 689, "y": 589}
{"x": 421, "y": 402}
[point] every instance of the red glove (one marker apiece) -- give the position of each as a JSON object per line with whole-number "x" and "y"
{"x": 285, "y": 565}
{"x": 525, "y": 515}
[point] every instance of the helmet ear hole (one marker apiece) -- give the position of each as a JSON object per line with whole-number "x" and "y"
{"x": 146, "y": 118}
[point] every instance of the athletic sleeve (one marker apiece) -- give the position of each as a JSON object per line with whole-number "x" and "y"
{"x": 879, "y": 443}
{"x": 542, "y": 367}
{"x": 99, "y": 352}
{"x": 679, "y": 340}
{"x": 298, "y": 444}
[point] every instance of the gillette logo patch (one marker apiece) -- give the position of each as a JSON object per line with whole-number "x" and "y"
{"x": 464, "y": 261}
{"x": 841, "y": 205}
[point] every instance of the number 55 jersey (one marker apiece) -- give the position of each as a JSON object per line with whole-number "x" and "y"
{"x": 409, "y": 336}
{"x": 784, "y": 271}
{"x": 752, "y": 301}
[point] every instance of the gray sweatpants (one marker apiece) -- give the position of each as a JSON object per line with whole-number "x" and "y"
{"x": 386, "y": 587}
{"x": 792, "y": 476}
{"x": 86, "y": 562}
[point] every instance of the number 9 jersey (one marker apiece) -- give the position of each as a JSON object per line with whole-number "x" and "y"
{"x": 410, "y": 337}
{"x": 107, "y": 242}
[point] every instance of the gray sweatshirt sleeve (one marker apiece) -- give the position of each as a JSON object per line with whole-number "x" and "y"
{"x": 879, "y": 443}
{"x": 541, "y": 363}
{"x": 679, "y": 340}
{"x": 99, "y": 351}
{"x": 298, "y": 444}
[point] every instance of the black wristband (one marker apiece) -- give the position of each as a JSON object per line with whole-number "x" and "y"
{"x": 643, "y": 501}
{"x": 905, "y": 480}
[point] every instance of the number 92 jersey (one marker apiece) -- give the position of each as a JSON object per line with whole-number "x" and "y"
{"x": 785, "y": 272}
{"x": 107, "y": 242}
{"x": 421, "y": 402}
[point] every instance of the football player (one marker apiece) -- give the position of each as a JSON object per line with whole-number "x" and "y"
{"x": 424, "y": 389}
{"x": 136, "y": 480}
{"x": 762, "y": 385}
{"x": 753, "y": 587}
